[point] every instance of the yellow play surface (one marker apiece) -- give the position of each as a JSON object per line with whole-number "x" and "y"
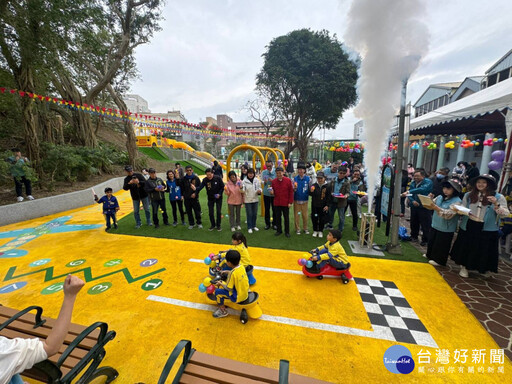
{"x": 146, "y": 289}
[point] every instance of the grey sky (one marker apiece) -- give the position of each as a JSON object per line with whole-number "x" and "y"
{"x": 205, "y": 60}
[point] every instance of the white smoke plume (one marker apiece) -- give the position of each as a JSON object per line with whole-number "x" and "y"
{"x": 391, "y": 39}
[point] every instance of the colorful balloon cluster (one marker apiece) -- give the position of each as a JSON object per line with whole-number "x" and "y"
{"x": 469, "y": 143}
{"x": 450, "y": 144}
{"x": 497, "y": 160}
{"x": 341, "y": 146}
{"x": 415, "y": 145}
{"x": 490, "y": 142}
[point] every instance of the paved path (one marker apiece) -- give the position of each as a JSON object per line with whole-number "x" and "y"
{"x": 490, "y": 300}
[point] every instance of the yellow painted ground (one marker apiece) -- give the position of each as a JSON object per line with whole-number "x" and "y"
{"x": 147, "y": 330}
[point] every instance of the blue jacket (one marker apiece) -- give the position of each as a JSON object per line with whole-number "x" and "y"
{"x": 441, "y": 224}
{"x": 491, "y": 219}
{"x": 109, "y": 206}
{"x": 174, "y": 190}
{"x": 267, "y": 178}
{"x": 423, "y": 188}
{"x": 354, "y": 187}
{"x": 302, "y": 191}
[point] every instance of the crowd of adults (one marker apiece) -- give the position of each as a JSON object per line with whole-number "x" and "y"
{"x": 331, "y": 188}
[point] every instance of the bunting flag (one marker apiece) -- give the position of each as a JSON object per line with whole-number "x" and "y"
{"x": 148, "y": 121}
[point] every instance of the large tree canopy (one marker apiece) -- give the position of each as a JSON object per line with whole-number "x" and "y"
{"x": 310, "y": 80}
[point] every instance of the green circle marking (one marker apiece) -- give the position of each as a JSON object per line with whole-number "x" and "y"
{"x": 75, "y": 263}
{"x": 112, "y": 263}
{"x": 151, "y": 284}
{"x": 54, "y": 288}
{"x": 99, "y": 288}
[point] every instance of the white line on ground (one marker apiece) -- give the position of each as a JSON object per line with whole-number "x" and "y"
{"x": 382, "y": 333}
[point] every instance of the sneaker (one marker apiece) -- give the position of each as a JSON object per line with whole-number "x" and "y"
{"x": 233, "y": 229}
{"x": 267, "y": 227}
{"x": 414, "y": 239}
{"x": 354, "y": 229}
{"x": 115, "y": 226}
{"x": 306, "y": 232}
{"x": 174, "y": 224}
{"x": 287, "y": 235}
{"x": 30, "y": 197}
{"x": 432, "y": 262}
{"x": 486, "y": 274}
{"x": 315, "y": 233}
{"x": 150, "y": 224}
{"x": 463, "y": 272}
{"x": 298, "y": 232}
{"x": 220, "y": 313}
{"x": 190, "y": 227}
{"x": 20, "y": 199}
{"x": 219, "y": 229}
{"x": 200, "y": 226}
{"x": 278, "y": 233}
{"x": 167, "y": 223}
{"x": 274, "y": 227}
{"x": 255, "y": 229}
{"x": 157, "y": 226}
{"x": 107, "y": 229}
{"x": 211, "y": 228}
{"x": 320, "y": 234}
{"x": 183, "y": 223}
{"x": 250, "y": 230}
{"x": 423, "y": 243}
{"x": 424, "y": 255}
{"x": 239, "y": 228}
{"x": 137, "y": 226}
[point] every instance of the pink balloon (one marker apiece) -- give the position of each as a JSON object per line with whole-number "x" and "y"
{"x": 210, "y": 289}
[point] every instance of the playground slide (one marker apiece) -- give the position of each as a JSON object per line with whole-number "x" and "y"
{"x": 207, "y": 156}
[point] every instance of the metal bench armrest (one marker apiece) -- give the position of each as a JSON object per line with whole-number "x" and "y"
{"x": 38, "y": 322}
{"x": 103, "y": 331}
{"x": 50, "y": 369}
{"x": 95, "y": 355}
{"x": 284, "y": 369}
{"x": 183, "y": 344}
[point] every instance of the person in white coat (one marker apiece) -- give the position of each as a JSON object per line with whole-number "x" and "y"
{"x": 251, "y": 190}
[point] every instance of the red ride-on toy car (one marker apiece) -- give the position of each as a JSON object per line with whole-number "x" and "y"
{"x": 310, "y": 269}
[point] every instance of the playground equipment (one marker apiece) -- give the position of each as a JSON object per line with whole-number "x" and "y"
{"x": 151, "y": 138}
{"x": 213, "y": 261}
{"x": 258, "y": 153}
{"x": 311, "y": 270}
{"x": 248, "y": 308}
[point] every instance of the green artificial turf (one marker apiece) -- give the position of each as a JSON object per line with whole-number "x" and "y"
{"x": 155, "y": 153}
{"x": 264, "y": 239}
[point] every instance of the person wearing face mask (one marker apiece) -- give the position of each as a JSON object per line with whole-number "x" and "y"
{"x": 438, "y": 179}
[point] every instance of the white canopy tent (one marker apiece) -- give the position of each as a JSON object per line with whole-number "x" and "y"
{"x": 497, "y": 98}
{"x": 484, "y": 111}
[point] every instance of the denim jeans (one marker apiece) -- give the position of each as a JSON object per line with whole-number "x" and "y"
{"x": 341, "y": 213}
{"x": 147, "y": 211}
{"x": 251, "y": 209}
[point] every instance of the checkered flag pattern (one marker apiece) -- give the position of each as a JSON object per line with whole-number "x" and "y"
{"x": 390, "y": 313}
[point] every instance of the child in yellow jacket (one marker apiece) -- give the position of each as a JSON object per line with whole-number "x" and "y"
{"x": 331, "y": 252}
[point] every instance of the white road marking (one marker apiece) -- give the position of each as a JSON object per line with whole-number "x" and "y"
{"x": 382, "y": 333}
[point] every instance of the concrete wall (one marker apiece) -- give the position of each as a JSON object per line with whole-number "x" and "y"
{"x": 27, "y": 210}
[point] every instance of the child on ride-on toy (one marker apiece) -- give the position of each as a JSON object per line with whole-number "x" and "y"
{"x": 330, "y": 253}
{"x": 235, "y": 287}
{"x": 239, "y": 243}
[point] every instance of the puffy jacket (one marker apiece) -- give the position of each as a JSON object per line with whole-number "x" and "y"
{"x": 250, "y": 190}
{"x": 150, "y": 187}
{"x": 302, "y": 189}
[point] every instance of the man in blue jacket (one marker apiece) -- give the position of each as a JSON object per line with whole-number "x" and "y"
{"x": 301, "y": 184}
{"x": 420, "y": 216}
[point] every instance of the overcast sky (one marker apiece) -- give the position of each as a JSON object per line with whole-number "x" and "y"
{"x": 205, "y": 59}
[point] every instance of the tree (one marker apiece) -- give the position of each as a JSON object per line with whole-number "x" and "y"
{"x": 309, "y": 80}
{"x": 263, "y": 113}
{"x": 103, "y": 51}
